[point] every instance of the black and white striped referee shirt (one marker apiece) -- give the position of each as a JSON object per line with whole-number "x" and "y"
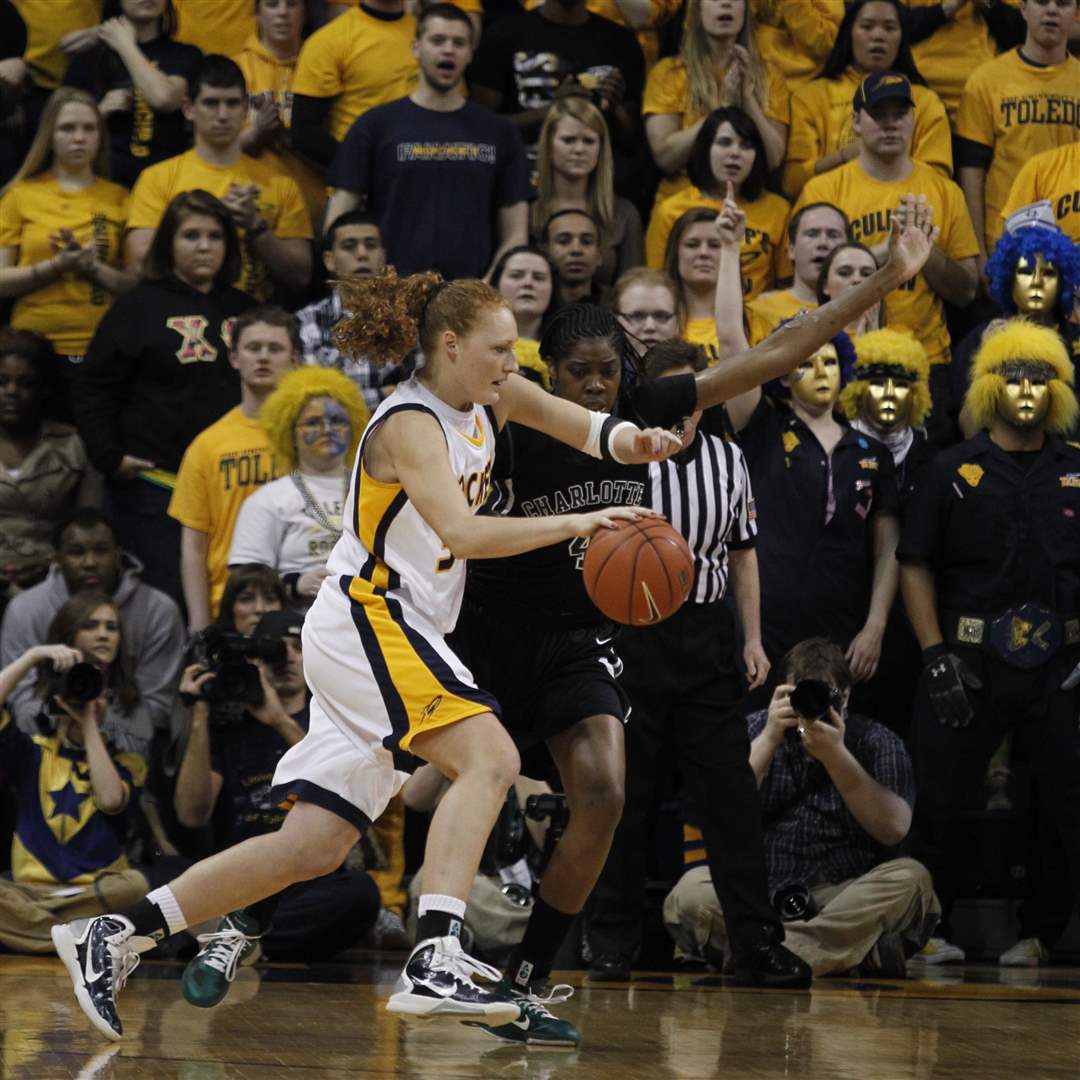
{"x": 705, "y": 493}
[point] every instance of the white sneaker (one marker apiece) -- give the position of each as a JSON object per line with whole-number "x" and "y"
{"x": 939, "y": 951}
{"x": 1027, "y": 952}
{"x": 99, "y": 959}
{"x": 437, "y": 983}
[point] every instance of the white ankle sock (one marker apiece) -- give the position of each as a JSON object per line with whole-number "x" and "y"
{"x": 169, "y": 907}
{"x": 438, "y": 902}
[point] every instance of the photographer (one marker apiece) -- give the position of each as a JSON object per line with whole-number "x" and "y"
{"x": 73, "y": 789}
{"x": 232, "y": 751}
{"x": 836, "y": 793}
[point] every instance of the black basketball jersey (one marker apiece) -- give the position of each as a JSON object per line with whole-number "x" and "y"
{"x": 537, "y": 476}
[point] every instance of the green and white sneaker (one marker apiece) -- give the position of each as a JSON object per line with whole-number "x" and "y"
{"x": 537, "y": 1026}
{"x": 208, "y": 975}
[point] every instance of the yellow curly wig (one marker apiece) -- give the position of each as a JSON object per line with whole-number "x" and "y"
{"x": 889, "y": 347}
{"x": 280, "y": 410}
{"x": 1021, "y": 339}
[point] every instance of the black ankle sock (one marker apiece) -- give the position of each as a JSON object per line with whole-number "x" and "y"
{"x": 437, "y": 924}
{"x": 531, "y": 961}
{"x": 263, "y": 911}
{"x": 149, "y": 920}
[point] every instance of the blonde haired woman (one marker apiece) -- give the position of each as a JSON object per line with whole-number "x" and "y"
{"x": 314, "y": 419}
{"x": 718, "y": 64}
{"x": 575, "y": 172}
{"x": 60, "y": 225}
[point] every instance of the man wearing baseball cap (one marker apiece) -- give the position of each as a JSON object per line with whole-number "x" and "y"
{"x": 224, "y": 781}
{"x": 884, "y": 180}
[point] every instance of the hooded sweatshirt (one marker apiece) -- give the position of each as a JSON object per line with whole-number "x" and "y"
{"x": 153, "y": 637}
{"x": 157, "y": 372}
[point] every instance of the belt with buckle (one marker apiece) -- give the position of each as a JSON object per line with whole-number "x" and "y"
{"x": 1025, "y": 636}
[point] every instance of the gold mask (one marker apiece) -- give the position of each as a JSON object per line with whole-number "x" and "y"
{"x": 1026, "y": 400}
{"x": 1035, "y": 287}
{"x": 886, "y": 403}
{"x": 816, "y": 383}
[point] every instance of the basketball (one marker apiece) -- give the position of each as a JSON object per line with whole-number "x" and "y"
{"x": 639, "y": 573}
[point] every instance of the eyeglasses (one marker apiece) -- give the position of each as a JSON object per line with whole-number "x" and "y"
{"x": 636, "y": 318}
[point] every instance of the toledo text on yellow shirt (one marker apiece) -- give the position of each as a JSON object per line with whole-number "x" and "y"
{"x": 667, "y": 92}
{"x": 821, "y": 113}
{"x": 1053, "y": 175}
{"x": 215, "y": 26}
{"x": 869, "y": 203}
{"x": 68, "y": 309}
{"x": 264, "y": 73}
{"x": 225, "y": 463}
{"x": 763, "y": 258}
{"x": 1019, "y": 111}
{"x": 767, "y": 311}
{"x": 360, "y": 62}
{"x": 279, "y": 201}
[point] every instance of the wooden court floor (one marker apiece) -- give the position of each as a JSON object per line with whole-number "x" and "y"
{"x": 953, "y": 1023}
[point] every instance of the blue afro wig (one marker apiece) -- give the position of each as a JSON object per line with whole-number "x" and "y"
{"x": 1053, "y": 245}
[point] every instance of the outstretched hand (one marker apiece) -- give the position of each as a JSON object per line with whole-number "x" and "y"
{"x": 912, "y": 238}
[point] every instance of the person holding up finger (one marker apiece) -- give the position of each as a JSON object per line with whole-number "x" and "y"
{"x": 61, "y": 221}
{"x": 139, "y": 75}
{"x": 883, "y": 180}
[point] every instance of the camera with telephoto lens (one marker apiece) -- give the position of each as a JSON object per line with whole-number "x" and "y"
{"x": 78, "y": 685}
{"x": 794, "y": 903}
{"x": 228, "y": 655}
{"x": 812, "y": 699}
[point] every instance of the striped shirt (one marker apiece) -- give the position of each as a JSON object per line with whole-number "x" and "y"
{"x": 705, "y": 493}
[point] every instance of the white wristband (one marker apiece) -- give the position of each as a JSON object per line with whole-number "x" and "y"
{"x": 592, "y": 440}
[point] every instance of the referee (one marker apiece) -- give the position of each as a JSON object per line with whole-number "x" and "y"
{"x": 683, "y": 682}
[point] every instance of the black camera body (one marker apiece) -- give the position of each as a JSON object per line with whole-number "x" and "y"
{"x": 228, "y": 655}
{"x": 794, "y": 902}
{"x": 79, "y": 685}
{"x": 812, "y": 699}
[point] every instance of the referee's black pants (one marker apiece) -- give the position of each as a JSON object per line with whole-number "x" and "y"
{"x": 686, "y": 692}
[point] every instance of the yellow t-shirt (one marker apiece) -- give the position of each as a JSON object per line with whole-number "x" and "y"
{"x": 1053, "y": 175}
{"x": 952, "y": 52}
{"x": 1017, "y": 110}
{"x": 360, "y": 61}
{"x": 869, "y": 203}
{"x": 280, "y": 202}
{"x": 767, "y": 311}
{"x": 703, "y": 332}
{"x": 821, "y": 114}
{"x": 67, "y": 310}
{"x": 47, "y": 21}
{"x": 215, "y": 26}
{"x": 667, "y": 91}
{"x": 225, "y": 463}
{"x": 265, "y": 73}
{"x": 527, "y": 352}
{"x": 763, "y": 257}
{"x": 795, "y": 36}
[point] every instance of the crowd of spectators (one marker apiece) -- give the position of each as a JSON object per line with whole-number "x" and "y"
{"x": 188, "y": 186}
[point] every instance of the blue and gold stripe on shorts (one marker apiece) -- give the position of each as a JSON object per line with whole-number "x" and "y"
{"x": 419, "y": 688}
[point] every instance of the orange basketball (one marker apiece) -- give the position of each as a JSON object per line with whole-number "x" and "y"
{"x": 639, "y": 573}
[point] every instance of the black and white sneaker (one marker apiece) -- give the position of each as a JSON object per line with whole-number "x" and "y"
{"x": 437, "y": 983}
{"x": 99, "y": 960}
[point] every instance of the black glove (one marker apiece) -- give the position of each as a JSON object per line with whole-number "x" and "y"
{"x": 946, "y": 676}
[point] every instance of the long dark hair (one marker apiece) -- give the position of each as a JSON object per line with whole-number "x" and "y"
{"x": 159, "y": 260}
{"x": 842, "y": 55}
{"x": 249, "y": 576}
{"x": 699, "y": 167}
{"x": 69, "y": 620}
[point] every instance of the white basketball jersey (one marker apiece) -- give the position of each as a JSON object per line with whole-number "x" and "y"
{"x": 386, "y": 544}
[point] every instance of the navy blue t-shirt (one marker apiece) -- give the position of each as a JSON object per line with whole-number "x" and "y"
{"x": 435, "y": 182}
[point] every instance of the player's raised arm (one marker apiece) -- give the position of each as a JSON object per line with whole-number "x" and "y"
{"x": 786, "y": 348}
{"x": 411, "y": 447}
{"x": 593, "y": 433}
